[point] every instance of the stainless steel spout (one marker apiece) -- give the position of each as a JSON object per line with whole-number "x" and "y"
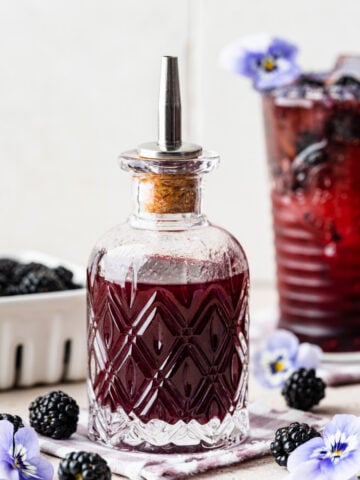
{"x": 169, "y": 144}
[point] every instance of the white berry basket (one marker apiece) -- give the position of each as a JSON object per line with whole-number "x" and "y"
{"x": 43, "y": 335}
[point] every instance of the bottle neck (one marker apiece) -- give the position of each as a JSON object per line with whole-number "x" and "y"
{"x": 167, "y": 201}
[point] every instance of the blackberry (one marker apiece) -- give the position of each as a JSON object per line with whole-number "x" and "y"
{"x": 310, "y": 80}
{"x": 11, "y": 290}
{"x": 23, "y": 269}
{"x": 310, "y": 152}
{"x": 303, "y": 390}
{"x": 66, "y": 276}
{"x": 14, "y": 419}
{"x": 54, "y": 415}
{"x": 7, "y": 267}
{"x": 344, "y": 126}
{"x": 83, "y": 466}
{"x": 3, "y": 284}
{"x": 43, "y": 280}
{"x": 289, "y": 438}
{"x": 348, "y": 81}
{"x": 305, "y": 139}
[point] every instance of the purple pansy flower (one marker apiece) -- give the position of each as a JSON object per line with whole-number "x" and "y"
{"x": 269, "y": 61}
{"x": 281, "y": 355}
{"x": 335, "y": 456}
{"x": 20, "y": 455}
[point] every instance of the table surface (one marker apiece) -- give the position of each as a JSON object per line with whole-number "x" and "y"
{"x": 344, "y": 399}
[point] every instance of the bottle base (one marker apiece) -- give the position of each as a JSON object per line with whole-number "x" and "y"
{"x": 118, "y": 430}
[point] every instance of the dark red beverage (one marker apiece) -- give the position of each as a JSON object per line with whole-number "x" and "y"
{"x": 169, "y": 352}
{"x": 313, "y": 143}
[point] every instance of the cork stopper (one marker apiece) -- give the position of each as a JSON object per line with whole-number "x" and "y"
{"x": 168, "y": 194}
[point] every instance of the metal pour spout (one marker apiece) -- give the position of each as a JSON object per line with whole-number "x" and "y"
{"x": 169, "y": 105}
{"x": 169, "y": 144}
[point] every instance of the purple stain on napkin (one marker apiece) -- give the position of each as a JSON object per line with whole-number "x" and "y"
{"x": 145, "y": 466}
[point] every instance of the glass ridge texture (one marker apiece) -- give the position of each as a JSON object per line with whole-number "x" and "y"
{"x": 313, "y": 146}
{"x": 168, "y": 328}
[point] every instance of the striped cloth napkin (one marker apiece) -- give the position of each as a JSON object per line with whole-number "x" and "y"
{"x": 144, "y": 466}
{"x": 340, "y": 369}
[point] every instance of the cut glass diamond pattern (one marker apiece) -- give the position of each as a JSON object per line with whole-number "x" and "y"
{"x": 167, "y": 359}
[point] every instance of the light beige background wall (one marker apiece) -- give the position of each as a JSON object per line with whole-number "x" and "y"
{"x": 79, "y": 84}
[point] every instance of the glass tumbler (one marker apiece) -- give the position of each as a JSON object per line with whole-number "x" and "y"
{"x": 313, "y": 148}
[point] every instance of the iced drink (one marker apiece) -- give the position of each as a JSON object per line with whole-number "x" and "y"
{"x": 313, "y": 145}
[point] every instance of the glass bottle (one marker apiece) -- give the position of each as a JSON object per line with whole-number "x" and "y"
{"x": 168, "y": 306}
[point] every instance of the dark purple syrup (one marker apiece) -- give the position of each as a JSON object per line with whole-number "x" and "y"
{"x": 169, "y": 352}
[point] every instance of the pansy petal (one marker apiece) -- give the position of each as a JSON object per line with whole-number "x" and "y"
{"x": 283, "y": 339}
{"x": 238, "y": 55}
{"x": 344, "y": 423}
{"x": 343, "y": 470}
{"x": 237, "y": 61}
{"x": 28, "y": 439}
{"x": 306, "y": 452}
{"x": 264, "y": 369}
{"x": 283, "y": 48}
{"x": 308, "y": 356}
{"x": 7, "y": 472}
{"x": 6, "y": 435}
{"x": 277, "y": 79}
{"x": 258, "y": 369}
{"x": 310, "y": 470}
{"x": 6, "y": 455}
{"x": 247, "y": 64}
{"x": 44, "y": 469}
